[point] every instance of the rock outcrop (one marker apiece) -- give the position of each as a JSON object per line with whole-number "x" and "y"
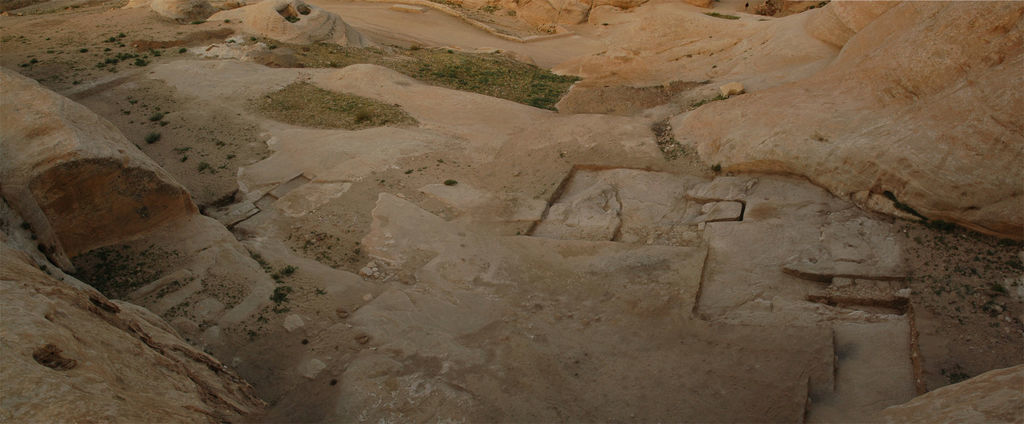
{"x": 73, "y": 177}
{"x": 183, "y": 10}
{"x": 840, "y": 21}
{"x": 993, "y": 397}
{"x": 929, "y": 117}
{"x": 293, "y": 21}
{"x": 68, "y": 354}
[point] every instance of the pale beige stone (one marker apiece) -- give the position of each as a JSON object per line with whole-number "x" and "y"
{"x": 897, "y": 111}
{"x": 73, "y": 176}
{"x": 274, "y": 19}
{"x": 993, "y": 397}
{"x": 184, "y": 11}
{"x": 731, "y": 89}
{"x": 69, "y": 354}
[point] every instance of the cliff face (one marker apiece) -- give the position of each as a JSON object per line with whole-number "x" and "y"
{"x": 69, "y": 354}
{"x": 922, "y": 103}
{"x": 74, "y": 177}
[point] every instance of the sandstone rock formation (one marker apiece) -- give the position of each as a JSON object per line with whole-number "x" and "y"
{"x": 293, "y": 21}
{"x": 993, "y": 397}
{"x": 928, "y": 116}
{"x": 74, "y": 178}
{"x": 559, "y": 12}
{"x": 183, "y": 10}
{"x": 68, "y": 354}
{"x": 838, "y": 22}
{"x": 731, "y": 89}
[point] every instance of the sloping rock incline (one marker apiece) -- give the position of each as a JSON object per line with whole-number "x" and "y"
{"x": 922, "y": 103}
{"x": 840, "y": 21}
{"x": 293, "y": 21}
{"x": 73, "y": 176}
{"x": 993, "y": 397}
{"x": 68, "y": 354}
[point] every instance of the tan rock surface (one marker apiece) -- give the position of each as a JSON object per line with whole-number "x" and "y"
{"x": 71, "y": 355}
{"x": 72, "y": 175}
{"x": 841, "y": 20}
{"x": 993, "y": 397}
{"x": 185, "y": 11}
{"x": 926, "y": 113}
{"x": 293, "y": 21}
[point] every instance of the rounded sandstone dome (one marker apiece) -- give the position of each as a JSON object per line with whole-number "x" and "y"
{"x": 293, "y": 21}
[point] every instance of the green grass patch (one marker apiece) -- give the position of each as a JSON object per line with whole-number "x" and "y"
{"x": 307, "y": 105}
{"x": 719, "y": 15}
{"x": 491, "y": 74}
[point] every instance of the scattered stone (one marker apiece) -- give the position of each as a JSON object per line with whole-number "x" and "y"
{"x": 721, "y": 211}
{"x": 311, "y": 368}
{"x": 371, "y": 271}
{"x": 293, "y": 322}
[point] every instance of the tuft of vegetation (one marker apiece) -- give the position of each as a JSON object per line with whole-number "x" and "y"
{"x": 280, "y": 297}
{"x": 940, "y": 225}
{"x": 706, "y": 101}
{"x": 307, "y": 105}
{"x": 116, "y": 271}
{"x": 288, "y": 270}
{"x": 900, "y": 205}
{"x": 152, "y": 137}
{"x": 491, "y": 74}
{"x": 719, "y": 15}
{"x": 156, "y": 116}
{"x": 716, "y": 168}
{"x": 450, "y": 182}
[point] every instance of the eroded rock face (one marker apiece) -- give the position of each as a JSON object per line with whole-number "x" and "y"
{"x": 840, "y": 21}
{"x": 293, "y": 21}
{"x": 183, "y": 10}
{"x": 929, "y": 115}
{"x": 992, "y": 397}
{"x": 69, "y": 354}
{"x": 74, "y": 178}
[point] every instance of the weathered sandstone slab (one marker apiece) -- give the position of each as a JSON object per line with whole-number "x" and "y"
{"x": 73, "y": 177}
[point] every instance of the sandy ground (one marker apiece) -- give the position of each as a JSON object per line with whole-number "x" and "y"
{"x": 416, "y": 300}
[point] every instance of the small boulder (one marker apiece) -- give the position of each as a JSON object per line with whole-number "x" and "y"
{"x": 293, "y": 322}
{"x": 311, "y": 368}
{"x": 731, "y": 89}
